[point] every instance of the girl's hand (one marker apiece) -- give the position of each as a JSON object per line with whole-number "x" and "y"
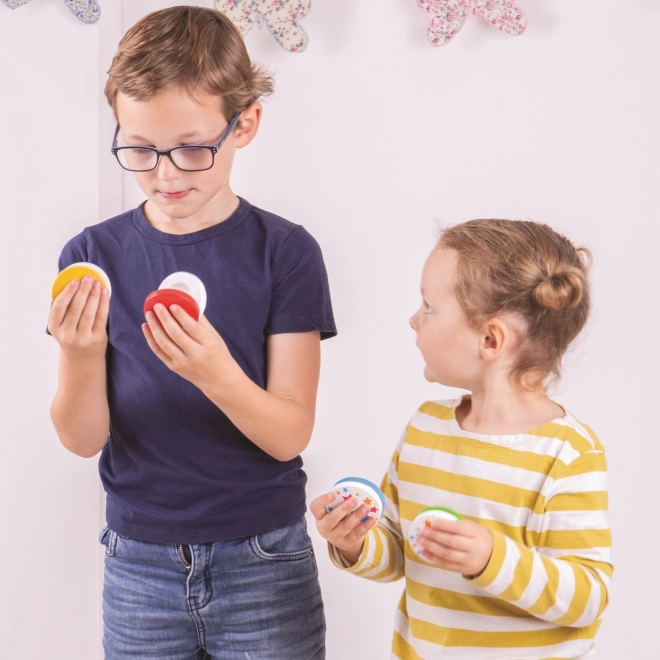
{"x": 342, "y": 528}
{"x": 461, "y": 546}
{"x": 78, "y": 319}
{"x": 192, "y": 349}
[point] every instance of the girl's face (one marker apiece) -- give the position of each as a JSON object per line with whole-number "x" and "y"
{"x": 449, "y": 345}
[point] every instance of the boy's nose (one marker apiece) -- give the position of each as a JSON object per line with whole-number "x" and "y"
{"x": 166, "y": 169}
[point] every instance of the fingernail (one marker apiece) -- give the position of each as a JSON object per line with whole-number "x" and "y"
{"x": 353, "y": 500}
{"x": 74, "y": 284}
{"x": 330, "y": 496}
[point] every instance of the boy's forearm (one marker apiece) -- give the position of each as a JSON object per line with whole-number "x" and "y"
{"x": 280, "y": 426}
{"x": 80, "y": 410}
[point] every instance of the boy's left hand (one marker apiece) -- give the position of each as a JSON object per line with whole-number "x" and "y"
{"x": 462, "y": 546}
{"x": 192, "y": 349}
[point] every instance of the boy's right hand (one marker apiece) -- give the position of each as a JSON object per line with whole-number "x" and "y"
{"x": 340, "y": 527}
{"x": 78, "y": 319}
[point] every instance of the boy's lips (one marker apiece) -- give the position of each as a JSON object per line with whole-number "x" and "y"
{"x": 175, "y": 195}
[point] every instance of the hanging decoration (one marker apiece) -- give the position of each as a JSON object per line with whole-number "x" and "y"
{"x": 88, "y": 11}
{"x": 280, "y": 17}
{"x": 450, "y": 15}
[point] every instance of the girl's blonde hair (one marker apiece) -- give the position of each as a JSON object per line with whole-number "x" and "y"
{"x": 196, "y": 48}
{"x": 530, "y": 272}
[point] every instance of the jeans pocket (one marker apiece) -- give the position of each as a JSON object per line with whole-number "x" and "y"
{"x": 108, "y": 538}
{"x": 291, "y": 543}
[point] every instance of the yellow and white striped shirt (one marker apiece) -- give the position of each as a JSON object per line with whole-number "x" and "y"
{"x": 544, "y": 496}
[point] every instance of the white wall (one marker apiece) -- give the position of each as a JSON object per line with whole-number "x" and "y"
{"x": 49, "y": 189}
{"x": 371, "y": 138}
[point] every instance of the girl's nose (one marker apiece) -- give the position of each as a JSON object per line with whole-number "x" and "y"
{"x": 413, "y": 322}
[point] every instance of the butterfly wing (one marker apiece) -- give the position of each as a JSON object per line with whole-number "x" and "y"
{"x": 448, "y": 17}
{"x": 504, "y": 15}
{"x": 243, "y": 13}
{"x": 88, "y": 11}
{"x": 15, "y": 4}
{"x": 282, "y": 18}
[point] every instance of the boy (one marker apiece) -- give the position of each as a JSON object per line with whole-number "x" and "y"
{"x": 206, "y": 546}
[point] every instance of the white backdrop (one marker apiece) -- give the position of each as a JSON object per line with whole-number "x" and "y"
{"x": 372, "y": 138}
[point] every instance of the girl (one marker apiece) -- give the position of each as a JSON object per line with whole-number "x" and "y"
{"x": 526, "y": 573}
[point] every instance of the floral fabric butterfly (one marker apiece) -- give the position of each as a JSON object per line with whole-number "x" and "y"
{"x": 280, "y": 16}
{"x": 88, "y": 11}
{"x": 449, "y": 17}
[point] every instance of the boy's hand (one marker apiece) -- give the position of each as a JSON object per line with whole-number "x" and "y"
{"x": 192, "y": 349}
{"x": 78, "y": 319}
{"x": 462, "y": 546}
{"x": 343, "y": 530}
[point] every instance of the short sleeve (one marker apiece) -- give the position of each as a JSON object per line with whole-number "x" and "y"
{"x": 301, "y": 295}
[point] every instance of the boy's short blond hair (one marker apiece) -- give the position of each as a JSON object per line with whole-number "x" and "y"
{"x": 195, "y": 48}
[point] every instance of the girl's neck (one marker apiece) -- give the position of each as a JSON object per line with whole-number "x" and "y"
{"x": 506, "y": 410}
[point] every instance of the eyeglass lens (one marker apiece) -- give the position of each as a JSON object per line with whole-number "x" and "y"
{"x": 185, "y": 158}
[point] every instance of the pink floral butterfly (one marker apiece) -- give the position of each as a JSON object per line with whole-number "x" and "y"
{"x": 281, "y": 17}
{"x": 449, "y": 16}
{"x": 87, "y": 11}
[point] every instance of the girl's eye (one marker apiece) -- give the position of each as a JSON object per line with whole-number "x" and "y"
{"x": 427, "y": 309}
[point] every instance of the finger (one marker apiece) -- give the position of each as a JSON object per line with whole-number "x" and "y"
{"x": 161, "y": 337}
{"x": 361, "y": 530}
{"x": 443, "y": 552}
{"x": 88, "y": 314}
{"x": 442, "y": 563}
{"x": 153, "y": 345}
{"x": 448, "y": 539}
{"x": 462, "y": 527}
{"x": 191, "y": 327}
{"x": 350, "y": 523}
{"x": 317, "y": 506}
{"x": 172, "y": 327}
{"x": 101, "y": 320}
{"x": 61, "y": 304}
{"x": 76, "y": 305}
{"x": 340, "y": 512}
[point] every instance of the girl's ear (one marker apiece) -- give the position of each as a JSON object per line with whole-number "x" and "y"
{"x": 248, "y": 125}
{"x": 495, "y": 340}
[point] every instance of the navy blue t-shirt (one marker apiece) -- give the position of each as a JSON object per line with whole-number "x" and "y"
{"x": 175, "y": 468}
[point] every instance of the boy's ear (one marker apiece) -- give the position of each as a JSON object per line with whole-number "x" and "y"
{"x": 248, "y": 125}
{"x": 496, "y": 338}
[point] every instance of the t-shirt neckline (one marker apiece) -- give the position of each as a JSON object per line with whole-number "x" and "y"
{"x": 151, "y": 232}
{"x": 503, "y": 439}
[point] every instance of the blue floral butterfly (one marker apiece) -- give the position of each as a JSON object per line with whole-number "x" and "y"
{"x": 88, "y": 11}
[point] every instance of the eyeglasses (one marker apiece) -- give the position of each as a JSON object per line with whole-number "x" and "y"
{"x": 189, "y": 158}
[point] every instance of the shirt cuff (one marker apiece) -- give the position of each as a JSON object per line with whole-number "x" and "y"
{"x": 495, "y": 562}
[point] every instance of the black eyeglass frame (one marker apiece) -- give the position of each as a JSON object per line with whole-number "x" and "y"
{"x": 213, "y": 148}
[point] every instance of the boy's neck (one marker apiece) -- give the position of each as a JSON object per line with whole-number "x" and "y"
{"x": 215, "y": 211}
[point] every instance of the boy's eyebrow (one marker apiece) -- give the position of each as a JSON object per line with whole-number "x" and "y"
{"x": 139, "y": 138}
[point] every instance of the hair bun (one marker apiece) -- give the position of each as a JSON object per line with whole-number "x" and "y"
{"x": 561, "y": 289}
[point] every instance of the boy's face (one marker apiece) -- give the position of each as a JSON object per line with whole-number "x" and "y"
{"x": 449, "y": 345}
{"x": 174, "y": 118}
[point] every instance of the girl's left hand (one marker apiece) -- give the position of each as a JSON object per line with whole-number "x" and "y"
{"x": 192, "y": 349}
{"x": 461, "y": 546}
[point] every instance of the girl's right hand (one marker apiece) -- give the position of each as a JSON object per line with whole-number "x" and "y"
{"x": 340, "y": 527}
{"x": 78, "y": 319}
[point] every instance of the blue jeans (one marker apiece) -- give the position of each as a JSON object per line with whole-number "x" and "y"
{"x": 256, "y": 598}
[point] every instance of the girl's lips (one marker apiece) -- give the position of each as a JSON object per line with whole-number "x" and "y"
{"x": 175, "y": 195}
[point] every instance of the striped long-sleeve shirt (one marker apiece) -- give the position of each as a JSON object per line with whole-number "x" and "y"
{"x": 543, "y": 494}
